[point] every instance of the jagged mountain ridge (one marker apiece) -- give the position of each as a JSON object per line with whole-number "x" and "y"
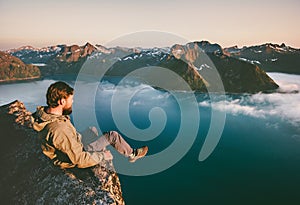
{"x": 31, "y": 55}
{"x": 267, "y": 56}
{"x": 69, "y": 59}
{"x": 270, "y": 57}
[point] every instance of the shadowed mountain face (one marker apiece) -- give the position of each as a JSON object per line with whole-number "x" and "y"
{"x": 193, "y": 62}
{"x": 269, "y": 57}
{"x": 151, "y": 59}
{"x": 237, "y": 76}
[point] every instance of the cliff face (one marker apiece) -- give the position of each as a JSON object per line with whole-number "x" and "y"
{"x": 29, "y": 177}
{"x": 68, "y": 60}
{"x": 12, "y": 69}
{"x": 74, "y": 53}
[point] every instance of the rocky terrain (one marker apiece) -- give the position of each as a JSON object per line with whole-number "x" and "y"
{"x": 28, "y": 177}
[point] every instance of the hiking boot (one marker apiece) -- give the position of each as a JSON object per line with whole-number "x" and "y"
{"x": 138, "y": 153}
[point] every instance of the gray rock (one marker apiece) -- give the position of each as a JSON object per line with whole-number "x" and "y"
{"x": 29, "y": 177}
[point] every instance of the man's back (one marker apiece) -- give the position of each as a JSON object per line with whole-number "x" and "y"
{"x": 61, "y": 142}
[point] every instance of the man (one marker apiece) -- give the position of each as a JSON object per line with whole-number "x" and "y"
{"x": 62, "y": 143}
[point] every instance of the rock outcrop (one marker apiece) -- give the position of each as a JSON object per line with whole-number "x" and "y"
{"x": 29, "y": 177}
{"x": 68, "y": 60}
{"x": 74, "y": 53}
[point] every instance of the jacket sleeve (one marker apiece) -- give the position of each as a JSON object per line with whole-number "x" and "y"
{"x": 68, "y": 142}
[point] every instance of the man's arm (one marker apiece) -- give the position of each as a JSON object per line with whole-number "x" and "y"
{"x": 67, "y": 142}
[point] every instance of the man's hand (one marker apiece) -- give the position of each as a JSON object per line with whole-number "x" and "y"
{"x": 107, "y": 155}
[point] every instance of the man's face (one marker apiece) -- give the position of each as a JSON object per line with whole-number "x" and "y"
{"x": 67, "y": 110}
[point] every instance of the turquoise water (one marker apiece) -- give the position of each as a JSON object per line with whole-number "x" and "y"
{"x": 252, "y": 164}
{"x": 256, "y": 161}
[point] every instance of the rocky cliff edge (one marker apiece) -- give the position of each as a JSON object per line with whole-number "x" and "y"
{"x": 29, "y": 177}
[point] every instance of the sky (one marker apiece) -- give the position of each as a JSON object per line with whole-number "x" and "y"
{"x": 41, "y": 23}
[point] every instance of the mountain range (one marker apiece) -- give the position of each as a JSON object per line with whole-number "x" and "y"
{"x": 269, "y": 57}
{"x": 241, "y": 69}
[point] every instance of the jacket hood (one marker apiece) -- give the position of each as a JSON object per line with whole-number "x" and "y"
{"x": 40, "y": 118}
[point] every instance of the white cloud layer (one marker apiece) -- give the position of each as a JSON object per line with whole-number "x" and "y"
{"x": 284, "y": 104}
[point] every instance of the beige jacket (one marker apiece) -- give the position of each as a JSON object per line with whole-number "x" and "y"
{"x": 61, "y": 142}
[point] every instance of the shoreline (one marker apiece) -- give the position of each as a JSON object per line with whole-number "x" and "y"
{"x": 20, "y": 80}
{"x": 112, "y": 80}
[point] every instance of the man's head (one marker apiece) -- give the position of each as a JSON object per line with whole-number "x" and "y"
{"x": 60, "y": 94}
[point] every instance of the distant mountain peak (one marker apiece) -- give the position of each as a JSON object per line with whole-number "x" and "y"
{"x": 21, "y": 48}
{"x": 205, "y": 46}
{"x": 203, "y": 42}
{"x": 270, "y": 57}
{"x": 88, "y": 44}
{"x": 283, "y": 45}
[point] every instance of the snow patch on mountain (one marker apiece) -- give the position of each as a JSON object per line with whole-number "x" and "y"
{"x": 250, "y": 61}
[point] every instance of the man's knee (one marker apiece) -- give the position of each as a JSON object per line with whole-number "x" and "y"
{"x": 114, "y": 133}
{"x": 94, "y": 130}
{"x": 111, "y": 136}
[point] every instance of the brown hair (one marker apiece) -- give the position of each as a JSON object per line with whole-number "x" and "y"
{"x": 57, "y": 91}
